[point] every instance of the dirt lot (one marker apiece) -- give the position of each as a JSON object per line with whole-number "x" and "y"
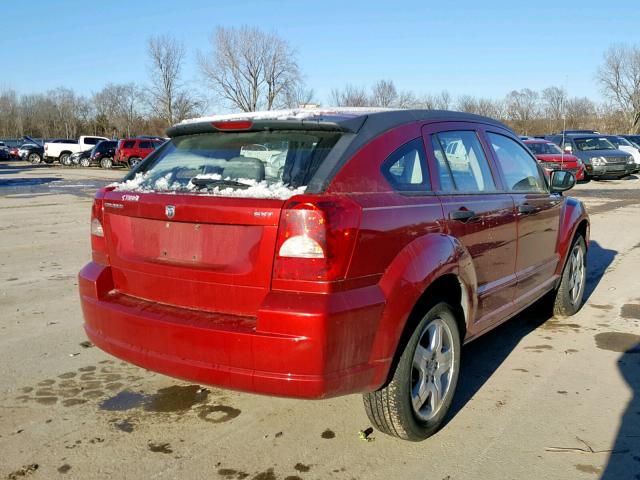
{"x": 539, "y": 398}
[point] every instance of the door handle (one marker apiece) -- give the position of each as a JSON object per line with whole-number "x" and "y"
{"x": 526, "y": 208}
{"x": 462, "y": 215}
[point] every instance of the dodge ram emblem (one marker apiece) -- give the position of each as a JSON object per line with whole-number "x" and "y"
{"x": 170, "y": 210}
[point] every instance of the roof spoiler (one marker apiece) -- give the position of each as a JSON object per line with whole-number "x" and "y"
{"x": 347, "y": 125}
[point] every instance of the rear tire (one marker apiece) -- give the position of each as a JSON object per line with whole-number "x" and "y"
{"x": 570, "y": 292}
{"x": 64, "y": 159}
{"x": 106, "y": 163}
{"x": 414, "y": 403}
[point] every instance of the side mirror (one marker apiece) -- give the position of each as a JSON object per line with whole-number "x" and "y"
{"x": 561, "y": 180}
{"x": 568, "y": 148}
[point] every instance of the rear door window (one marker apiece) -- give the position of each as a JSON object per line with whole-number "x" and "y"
{"x": 462, "y": 164}
{"x": 262, "y": 164}
{"x": 145, "y": 144}
{"x": 129, "y": 144}
{"x": 519, "y": 168}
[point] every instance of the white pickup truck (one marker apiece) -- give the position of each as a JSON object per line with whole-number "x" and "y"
{"x": 61, "y": 149}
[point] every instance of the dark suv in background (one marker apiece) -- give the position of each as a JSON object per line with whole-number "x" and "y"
{"x": 600, "y": 157}
{"x": 103, "y": 153}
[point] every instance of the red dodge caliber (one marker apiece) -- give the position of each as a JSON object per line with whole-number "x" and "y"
{"x": 319, "y": 253}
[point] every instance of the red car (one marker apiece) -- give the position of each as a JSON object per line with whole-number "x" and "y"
{"x": 552, "y": 158}
{"x": 131, "y": 151}
{"x": 13, "y": 152}
{"x": 315, "y": 254}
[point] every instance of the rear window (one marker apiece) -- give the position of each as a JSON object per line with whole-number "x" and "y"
{"x": 264, "y": 164}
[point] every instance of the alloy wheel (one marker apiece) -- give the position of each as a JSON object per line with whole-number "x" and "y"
{"x": 576, "y": 274}
{"x": 432, "y": 369}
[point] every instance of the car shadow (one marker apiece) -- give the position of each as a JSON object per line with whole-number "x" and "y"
{"x": 598, "y": 261}
{"x": 624, "y": 460}
{"x": 12, "y": 169}
{"x": 482, "y": 357}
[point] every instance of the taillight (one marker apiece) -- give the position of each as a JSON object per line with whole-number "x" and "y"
{"x": 98, "y": 242}
{"x": 316, "y": 238}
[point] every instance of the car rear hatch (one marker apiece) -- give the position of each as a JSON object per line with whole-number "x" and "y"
{"x": 211, "y": 247}
{"x": 196, "y": 252}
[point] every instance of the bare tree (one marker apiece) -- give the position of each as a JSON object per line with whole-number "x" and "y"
{"x": 438, "y": 101}
{"x": 296, "y": 96}
{"x": 619, "y": 78}
{"x": 167, "y": 57}
{"x": 581, "y": 113}
{"x": 10, "y": 120}
{"x": 121, "y": 104}
{"x": 406, "y": 99}
{"x": 522, "y": 108}
{"x": 248, "y": 68}
{"x": 554, "y": 104}
{"x": 384, "y": 94}
{"x": 350, "y": 96}
{"x": 480, "y": 106}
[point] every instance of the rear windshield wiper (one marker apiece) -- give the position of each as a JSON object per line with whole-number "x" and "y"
{"x": 212, "y": 182}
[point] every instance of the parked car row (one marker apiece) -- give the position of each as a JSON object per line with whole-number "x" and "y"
{"x": 587, "y": 153}
{"x": 87, "y": 151}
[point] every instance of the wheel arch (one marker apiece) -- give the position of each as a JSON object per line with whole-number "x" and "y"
{"x": 441, "y": 271}
{"x": 574, "y": 220}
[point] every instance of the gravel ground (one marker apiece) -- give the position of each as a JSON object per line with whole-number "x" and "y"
{"x": 539, "y": 397}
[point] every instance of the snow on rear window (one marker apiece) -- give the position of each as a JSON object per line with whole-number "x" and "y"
{"x": 278, "y": 190}
{"x": 263, "y": 164}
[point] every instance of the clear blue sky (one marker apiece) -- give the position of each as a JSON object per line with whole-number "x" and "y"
{"x": 479, "y": 48}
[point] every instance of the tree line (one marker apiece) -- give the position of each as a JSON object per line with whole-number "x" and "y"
{"x": 248, "y": 69}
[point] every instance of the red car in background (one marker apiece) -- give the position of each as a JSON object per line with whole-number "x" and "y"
{"x": 13, "y": 152}
{"x": 552, "y": 158}
{"x": 131, "y": 151}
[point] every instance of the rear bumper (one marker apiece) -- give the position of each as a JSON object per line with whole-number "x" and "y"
{"x": 299, "y": 345}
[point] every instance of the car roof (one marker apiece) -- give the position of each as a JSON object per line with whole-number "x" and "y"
{"x": 368, "y": 121}
{"x": 537, "y": 140}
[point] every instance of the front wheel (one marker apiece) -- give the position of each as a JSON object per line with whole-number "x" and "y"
{"x": 570, "y": 292}
{"x": 106, "y": 163}
{"x": 85, "y": 162}
{"x": 414, "y": 403}
{"x": 34, "y": 158}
